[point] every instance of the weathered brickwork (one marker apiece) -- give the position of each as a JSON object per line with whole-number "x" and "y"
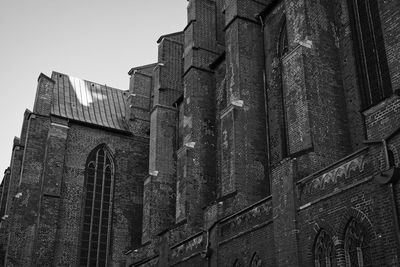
{"x": 245, "y": 96}
{"x": 250, "y": 142}
{"x": 46, "y": 192}
{"x": 273, "y": 35}
{"x": 243, "y": 235}
{"x": 26, "y": 205}
{"x": 129, "y": 155}
{"x": 15, "y": 168}
{"x": 5, "y": 184}
{"x": 161, "y": 186}
{"x": 287, "y": 81}
{"x": 349, "y": 74}
{"x": 389, "y": 12}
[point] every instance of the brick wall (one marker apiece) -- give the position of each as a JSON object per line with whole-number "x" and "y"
{"x": 243, "y": 123}
{"x": 277, "y": 132}
{"x": 160, "y": 187}
{"x": 329, "y": 176}
{"x": 314, "y": 53}
{"x": 139, "y": 99}
{"x": 331, "y": 198}
{"x": 4, "y": 191}
{"x": 49, "y": 202}
{"x": 26, "y": 208}
{"x": 4, "y": 197}
{"x": 15, "y": 167}
{"x": 349, "y": 74}
{"x": 44, "y": 95}
{"x": 389, "y": 12}
{"x": 130, "y": 157}
{"x": 382, "y": 120}
{"x": 245, "y": 234}
{"x": 225, "y": 113}
{"x": 199, "y": 88}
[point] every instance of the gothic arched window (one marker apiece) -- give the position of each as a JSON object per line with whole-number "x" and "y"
{"x": 238, "y": 263}
{"x": 369, "y": 48}
{"x": 324, "y": 251}
{"x": 95, "y": 238}
{"x": 356, "y": 245}
{"x": 256, "y": 261}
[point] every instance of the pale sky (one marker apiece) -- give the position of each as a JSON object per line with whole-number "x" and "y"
{"x": 96, "y": 40}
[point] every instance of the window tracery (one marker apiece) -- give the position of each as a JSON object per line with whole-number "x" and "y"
{"x": 95, "y": 236}
{"x": 324, "y": 250}
{"x": 238, "y": 263}
{"x": 256, "y": 261}
{"x": 356, "y": 245}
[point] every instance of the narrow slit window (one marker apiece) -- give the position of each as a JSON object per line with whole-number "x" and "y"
{"x": 283, "y": 48}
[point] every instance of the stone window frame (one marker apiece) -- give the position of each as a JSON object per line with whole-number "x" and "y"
{"x": 93, "y": 168}
{"x": 324, "y": 249}
{"x": 356, "y": 245}
{"x": 256, "y": 261}
{"x": 238, "y": 263}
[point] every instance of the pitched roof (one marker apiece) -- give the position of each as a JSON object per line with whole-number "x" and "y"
{"x": 89, "y": 102}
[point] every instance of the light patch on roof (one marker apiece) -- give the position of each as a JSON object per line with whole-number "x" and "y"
{"x": 90, "y": 102}
{"x": 82, "y": 91}
{"x": 99, "y": 96}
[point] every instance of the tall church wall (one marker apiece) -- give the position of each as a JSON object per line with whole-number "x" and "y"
{"x": 26, "y": 182}
{"x": 4, "y": 191}
{"x": 243, "y": 122}
{"x": 252, "y": 144}
{"x": 324, "y": 174}
{"x": 15, "y": 169}
{"x": 161, "y": 184}
{"x": 130, "y": 157}
{"x": 273, "y": 34}
{"x": 353, "y": 188}
{"x": 329, "y": 199}
{"x": 196, "y": 165}
{"x": 46, "y": 193}
{"x": 4, "y": 196}
{"x": 26, "y": 204}
{"x": 343, "y": 40}
{"x": 50, "y": 190}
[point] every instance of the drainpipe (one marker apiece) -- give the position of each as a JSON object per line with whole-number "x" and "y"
{"x": 208, "y": 251}
{"x": 389, "y": 176}
{"x": 266, "y": 105}
{"x": 388, "y": 172}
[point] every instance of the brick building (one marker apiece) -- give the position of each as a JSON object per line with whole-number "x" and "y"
{"x": 267, "y": 134}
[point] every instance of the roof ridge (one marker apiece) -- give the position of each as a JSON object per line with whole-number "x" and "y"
{"x": 89, "y": 81}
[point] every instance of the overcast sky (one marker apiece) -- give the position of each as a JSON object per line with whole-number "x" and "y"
{"x": 96, "y": 40}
